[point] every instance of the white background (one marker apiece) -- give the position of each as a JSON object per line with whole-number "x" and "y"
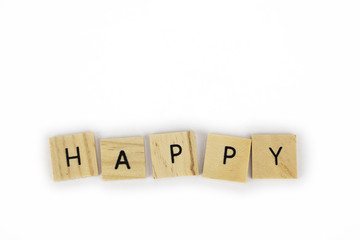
{"x": 136, "y": 67}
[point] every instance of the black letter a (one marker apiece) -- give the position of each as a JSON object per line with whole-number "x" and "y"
{"x": 118, "y": 162}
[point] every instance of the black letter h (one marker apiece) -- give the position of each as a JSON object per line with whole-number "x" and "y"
{"x": 72, "y": 157}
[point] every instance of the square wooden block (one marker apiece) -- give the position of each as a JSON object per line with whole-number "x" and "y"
{"x": 274, "y": 156}
{"x": 174, "y": 154}
{"x": 123, "y": 158}
{"x": 73, "y": 156}
{"x": 227, "y": 158}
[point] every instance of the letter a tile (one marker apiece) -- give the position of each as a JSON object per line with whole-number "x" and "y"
{"x": 122, "y": 158}
{"x": 227, "y": 158}
{"x": 274, "y": 156}
{"x": 73, "y": 156}
{"x": 174, "y": 154}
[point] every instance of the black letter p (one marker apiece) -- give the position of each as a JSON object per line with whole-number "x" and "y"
{"x": 226, "y": 153}
{"x": 172, "y": 151}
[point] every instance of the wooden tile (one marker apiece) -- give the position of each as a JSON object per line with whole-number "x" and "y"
{"x": 227, "y": 158}
{"x": 73, "y": 156}
{"x": 174, "y": 154}
{"x": 122, "y": 158}
{"x": 265, "y": 164}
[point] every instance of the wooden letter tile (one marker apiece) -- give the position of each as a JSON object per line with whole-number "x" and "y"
{"x": 122, "y": 158}
{"x": 274, "y": 156}
{"x": 227, "y": 158}
{"x": 73, "y": 156}
{"x": 174, "y": 154}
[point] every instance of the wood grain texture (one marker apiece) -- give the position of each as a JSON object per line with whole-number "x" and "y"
{"x": 236, "y": 168}
{"x": 87, "y": 151}
{"x": 263, "y": 160}
{"x": 186, "y": 164}
{"x": 133, "y": 147}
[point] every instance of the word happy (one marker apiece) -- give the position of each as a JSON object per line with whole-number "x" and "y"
{"x": 174, "y": 155}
